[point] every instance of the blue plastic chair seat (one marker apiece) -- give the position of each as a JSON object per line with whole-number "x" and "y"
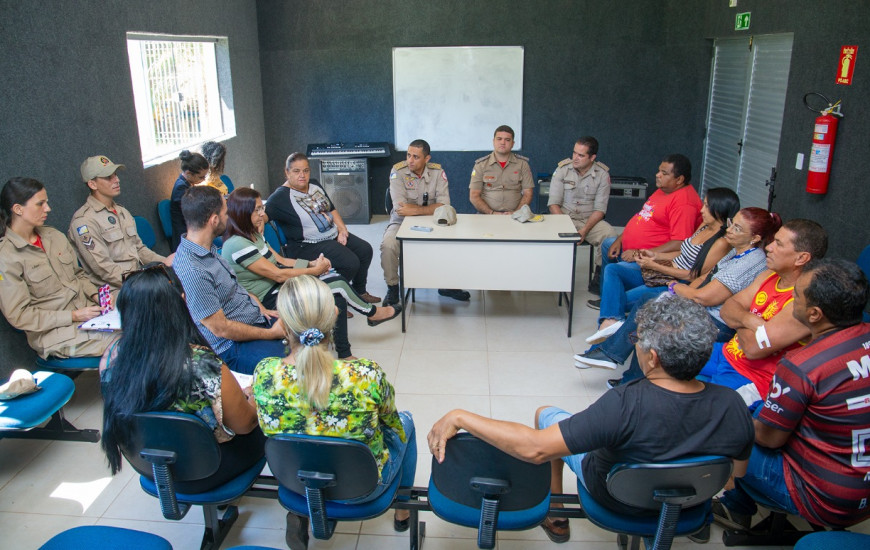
{"x": 691, "y": 519}
{"x": 227, "y": 492}
{"x": 145, "y": 231}
{"x": 69, "y": 363}
{"x": 105, "y": 538}
{"x": 31, "y": 410}
{"x": 298, "y": 504}
{"x": 469, "y": 516}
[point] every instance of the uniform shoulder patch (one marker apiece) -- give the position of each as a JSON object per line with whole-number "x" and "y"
{"x": 521, "y": 157}
{"x": 82, "y": 229}
{"x": 602, "y": 166}
{"x": 563, "y": 163}
{"x": 481, "y": 159}
{"x": 400, "y": 165}
{"x": 433, "y": 165}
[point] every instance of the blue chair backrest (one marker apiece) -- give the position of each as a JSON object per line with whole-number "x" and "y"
{"x": 163, "y": 212}
{"x": 228, "y": 182}
{"x": 189, "y": 438}
{"x": 270, "y": 233}
{"x": 146, "y": 232}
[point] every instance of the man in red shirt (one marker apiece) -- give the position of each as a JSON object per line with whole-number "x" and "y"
{"x": 668, "y": 217}
{"x": 762, "y": 315}
{"x": 812, "y": 451}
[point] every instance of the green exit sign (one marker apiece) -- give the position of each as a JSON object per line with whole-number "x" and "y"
{"x": 741, "y": 22}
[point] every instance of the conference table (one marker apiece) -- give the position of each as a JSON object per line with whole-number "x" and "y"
{"x": 492, "y": 252}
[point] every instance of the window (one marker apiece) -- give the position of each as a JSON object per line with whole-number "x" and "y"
{"x": 181, "y": 91}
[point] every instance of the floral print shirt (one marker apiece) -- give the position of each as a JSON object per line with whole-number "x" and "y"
{"x": 361, "y": 404}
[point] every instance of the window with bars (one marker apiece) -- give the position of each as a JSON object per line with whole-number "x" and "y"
{"x": 179, "y": 102}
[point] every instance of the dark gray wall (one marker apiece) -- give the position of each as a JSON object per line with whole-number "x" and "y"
{"x": 635, "y": 78}
{"x": 67, "y": 95}
{"x": 820, "y": 30}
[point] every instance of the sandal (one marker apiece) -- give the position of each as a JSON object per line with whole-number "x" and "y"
{"x": 556, "y": 529}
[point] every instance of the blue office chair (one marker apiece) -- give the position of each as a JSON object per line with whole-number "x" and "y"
{"x": 680, "y": 491}
{"x": 21, "y": 417}
{"x": 270, "y": 233}
{"x": 228, "y": 182}
{"x": 71, "y": 366}
{"x": 315, "y": 473}
{"x": 169, "y": 447}
{"x": 165, "y": 215}
{"x": 480, "y": 486}
{"x": 826, "y": 540}
{"x": 146, "y": 232}
{"x": 105, "y": 538}
{"x": 864, "y": 263}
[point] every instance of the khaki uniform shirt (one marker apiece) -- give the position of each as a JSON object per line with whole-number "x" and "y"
{"x": 580, "y": 196}
{"x": 406, "y": 187}
{"x": 39, "y": 289}
{"x": 501, "y": 188}
{"x": 107, "y": 242}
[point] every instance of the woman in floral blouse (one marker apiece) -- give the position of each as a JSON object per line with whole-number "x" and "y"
{"x": 310, "y": 392}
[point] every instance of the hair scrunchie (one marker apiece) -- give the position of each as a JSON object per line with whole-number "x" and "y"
{"x": 311, "y": 337}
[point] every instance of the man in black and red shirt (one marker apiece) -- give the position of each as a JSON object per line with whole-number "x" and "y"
{"x": 812, "y": 452}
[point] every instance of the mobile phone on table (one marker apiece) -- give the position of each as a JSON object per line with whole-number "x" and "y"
{"x": 421, "y": 228}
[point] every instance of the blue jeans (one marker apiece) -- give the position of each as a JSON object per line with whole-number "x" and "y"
{"x": 402, "y": 460}
{"x": 621, "y": 287}
{"x": 719, "y": 371}
{"x": 554, "y": 415}
{"x": 243, "y": 356}
{"x": 605, "y": 246}
{"x": 765, "y": 475}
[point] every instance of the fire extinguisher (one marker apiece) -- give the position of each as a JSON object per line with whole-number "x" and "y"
{"x": 824, "y": 138}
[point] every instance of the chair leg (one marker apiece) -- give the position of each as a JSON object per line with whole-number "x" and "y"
{"x": 57, "y": 428}
{"x": 216, "y": 530}
{"x": 774, "y": 530}
{"x": 296, "y": 533}
{"x": 418, "y": 530}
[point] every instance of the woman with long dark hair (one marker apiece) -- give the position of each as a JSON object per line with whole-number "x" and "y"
{"x": 310, "y": 392}
{"x": 194, "y": 169}
{"x": 162, "y": 363}
{"x": 44, "y": 292}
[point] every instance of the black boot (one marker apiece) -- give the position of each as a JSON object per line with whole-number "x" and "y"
{"x": 595, "y": 283}
{"x": 392, "y": 297}
{"x": 455, "y": 293}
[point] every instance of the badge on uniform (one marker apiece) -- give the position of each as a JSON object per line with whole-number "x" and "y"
{"x": 393, "y": 175}
{"x": 112, "y": 220}
{"x": 410, "y": 182}
{"x": 82, "y": 229}
{"x": 88, "y": 242}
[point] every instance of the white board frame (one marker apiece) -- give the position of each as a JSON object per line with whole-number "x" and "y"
{"x": 455, "y": 97}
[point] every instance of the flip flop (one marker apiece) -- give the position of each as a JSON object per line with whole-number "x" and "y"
{"x": 556, "y": 529}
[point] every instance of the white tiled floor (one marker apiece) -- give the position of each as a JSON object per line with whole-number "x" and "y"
{"x": 503, "y": 354}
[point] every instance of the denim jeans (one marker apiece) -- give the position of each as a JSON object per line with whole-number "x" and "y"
{"x": 243, "y": 356}
{"x": 765, "y": 474}
{"x": 621, "y": 287}
{"x": 554, "y": 415}
{"x": 402, "y": 460}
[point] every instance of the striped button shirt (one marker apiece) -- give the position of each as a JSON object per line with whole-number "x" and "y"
{"x": 210, "y": 285}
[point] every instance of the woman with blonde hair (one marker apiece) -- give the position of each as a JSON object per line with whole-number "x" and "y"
{"x": 310, "y": 392}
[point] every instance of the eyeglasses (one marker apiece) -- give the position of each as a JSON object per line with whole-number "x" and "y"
{"x": 731, "y": 225}
{"x": 633, "y": 337}
{"x": 152, "y": 267}
{"x": 260, "y": 209}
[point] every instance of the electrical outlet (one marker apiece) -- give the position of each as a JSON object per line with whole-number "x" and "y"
{"x": 799, "y": 162}
{"x": 732, "y": 3}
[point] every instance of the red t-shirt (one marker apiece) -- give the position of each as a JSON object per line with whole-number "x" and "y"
{"x": 664, "y": 217}
{"x": 768, "y": 302}
{"x": 821, "y": 394}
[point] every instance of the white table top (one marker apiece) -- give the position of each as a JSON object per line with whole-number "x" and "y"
{"x": 480, "y": 227}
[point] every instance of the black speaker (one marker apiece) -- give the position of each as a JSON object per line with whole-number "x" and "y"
{"x": 347, "y": 183}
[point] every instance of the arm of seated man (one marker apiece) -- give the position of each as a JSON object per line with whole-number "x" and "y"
{"x": 735, "y": 311}
{"x": 518, "y": 440}
{"x": 782, "y": 330}
{"x": 409, "y": 209}
{"x": 222, "y": 327}
{"x": 474, "y": 196}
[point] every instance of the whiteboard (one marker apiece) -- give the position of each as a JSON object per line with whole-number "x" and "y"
{"x": 455, "y": 97}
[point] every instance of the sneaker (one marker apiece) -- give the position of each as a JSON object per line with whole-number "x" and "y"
{"x": 605, "y": 332}
{"x": 392, "y": 297}
{"x": 727, "y": 518}
{"x": 455, "y": 293}
{"x": 594, "y": 304}
{"x": 595, "y": 358}
{"x": 613, "y": 382}
{"x": 701, "y": 536}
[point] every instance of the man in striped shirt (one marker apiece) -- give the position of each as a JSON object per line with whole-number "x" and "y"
{"x": 812, "y": 452}
{"x": 236, "y": 325}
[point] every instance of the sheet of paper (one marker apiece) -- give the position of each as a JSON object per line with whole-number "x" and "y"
{"x": 108, "y": 323}
{"x": 245, "y": 380}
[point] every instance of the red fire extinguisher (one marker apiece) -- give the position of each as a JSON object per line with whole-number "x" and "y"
{"x": 824, "y": 138}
